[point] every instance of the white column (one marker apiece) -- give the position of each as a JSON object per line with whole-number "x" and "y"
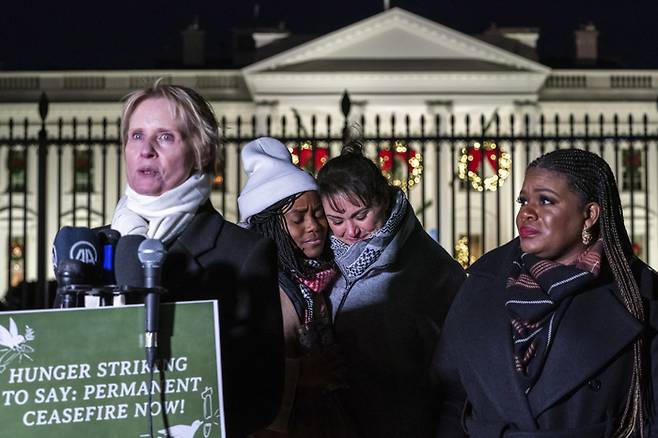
{"x": 264, "y": 108}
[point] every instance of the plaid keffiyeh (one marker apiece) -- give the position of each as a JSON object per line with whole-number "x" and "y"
{"x": 354, "y": 260}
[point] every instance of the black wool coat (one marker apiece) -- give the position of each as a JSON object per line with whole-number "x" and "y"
{"x": 583, "y": 386}
{"x": 216, "y": 259}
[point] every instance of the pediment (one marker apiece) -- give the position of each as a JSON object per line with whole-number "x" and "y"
{"x": 392, "y": 37}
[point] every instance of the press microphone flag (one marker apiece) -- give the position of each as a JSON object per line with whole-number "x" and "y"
{"x": 151, "y": 254}
{"x": 75, "y": 262}
{"x": 76, "y": 243}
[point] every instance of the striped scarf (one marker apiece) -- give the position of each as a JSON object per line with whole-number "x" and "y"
{"x": 540, "y": 291}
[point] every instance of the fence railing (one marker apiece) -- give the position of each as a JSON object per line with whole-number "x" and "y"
{"x": 462, "y": 175}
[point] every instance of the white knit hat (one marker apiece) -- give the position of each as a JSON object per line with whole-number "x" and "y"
{"x": 271, "y": 176}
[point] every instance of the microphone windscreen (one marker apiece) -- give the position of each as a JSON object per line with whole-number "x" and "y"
{"x": 70, "y": 273}
{"x": 151, "y": 251}
{"x": 76, "y": 243}
{"x": 127, "y": 267}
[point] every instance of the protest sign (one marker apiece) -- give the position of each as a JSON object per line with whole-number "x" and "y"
{"x": 82, "y": 373}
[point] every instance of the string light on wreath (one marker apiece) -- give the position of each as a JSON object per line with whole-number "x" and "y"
{"x": 469, "y": 166}
{"x": 302, "y": 156}
{"x": 462, "y": 252}
{"x": 402, "y": 166}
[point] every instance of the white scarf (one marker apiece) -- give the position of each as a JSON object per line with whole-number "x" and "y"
{"x": 162, "y": 217}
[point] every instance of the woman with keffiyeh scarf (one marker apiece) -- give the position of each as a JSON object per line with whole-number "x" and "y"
{"x": 280, "y": 201}
{"x": 553, "y": 334}
{"x": 389, "y": 302}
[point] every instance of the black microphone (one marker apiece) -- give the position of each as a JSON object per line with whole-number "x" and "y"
{"x": 151, "y": 253}
{"x": 127, "y": 267}
{"x": 108, "y": 238}
{"x": 75, "y": 262}
{"x": 71, "y": 275}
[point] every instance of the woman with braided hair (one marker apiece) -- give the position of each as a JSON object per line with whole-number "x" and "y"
{"x": 280, "y": 201}
{"x": 552, "y": 334}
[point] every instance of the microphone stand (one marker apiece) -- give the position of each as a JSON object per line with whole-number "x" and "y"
{"x": 151, "y": 254}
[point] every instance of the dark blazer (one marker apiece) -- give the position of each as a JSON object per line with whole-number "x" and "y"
{"x": 215, "y": 259}
{"x": 583, "y": 387}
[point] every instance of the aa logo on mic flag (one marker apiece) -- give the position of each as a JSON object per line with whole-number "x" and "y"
{"x": 85, "y": 252}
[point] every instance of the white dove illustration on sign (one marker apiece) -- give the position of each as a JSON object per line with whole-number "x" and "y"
{"x": 13, "y": 345}
{"x": 181, "y": 430}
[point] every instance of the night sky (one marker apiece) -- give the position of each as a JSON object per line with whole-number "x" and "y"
{"x": 146, "y": 34}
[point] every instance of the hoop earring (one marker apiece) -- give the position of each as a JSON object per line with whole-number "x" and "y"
{"x": 586, "y": 236}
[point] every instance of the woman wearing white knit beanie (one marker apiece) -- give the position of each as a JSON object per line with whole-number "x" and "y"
{"x": 280, "y": 201}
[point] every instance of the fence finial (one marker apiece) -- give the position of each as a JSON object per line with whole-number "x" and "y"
{"x": 345, "y": 105}
{"x": 43, "y": 106}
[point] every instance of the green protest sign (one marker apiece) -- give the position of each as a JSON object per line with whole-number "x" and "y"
{"x": 82, "y": 373}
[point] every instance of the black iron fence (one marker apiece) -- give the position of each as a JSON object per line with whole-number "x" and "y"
{"x": 461, "y": 174}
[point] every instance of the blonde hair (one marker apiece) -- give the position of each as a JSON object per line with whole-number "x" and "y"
{"x": 198, "y": 123}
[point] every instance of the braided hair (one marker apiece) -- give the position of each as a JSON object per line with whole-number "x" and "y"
{"x": 271, "y": 223}
{"x": 590, "y": 177}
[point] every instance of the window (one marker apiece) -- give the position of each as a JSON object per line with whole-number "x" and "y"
{"x": 638, "y": 246}
{"x": 16, "y": 161}
{"x": 17, "y": 260}
{"x": 219, "y": 167}
{"x": 83, "y": 168}
{"x": 217, "y": 183}
{"x": 633, "y": 171}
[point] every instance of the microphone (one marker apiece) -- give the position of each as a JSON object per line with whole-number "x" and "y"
{"x": 70, "y": 275}
{"x": 128, "y": 268}
{"x": 151, "y": 253}
{"x": 109, "y": 239}
{"x": 75, "y": 262}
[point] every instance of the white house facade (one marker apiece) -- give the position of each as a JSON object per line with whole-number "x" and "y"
{"x": 412, "y": 84}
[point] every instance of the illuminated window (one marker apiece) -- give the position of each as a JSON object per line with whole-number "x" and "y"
{"x": 633, "y": 171}
{"x": 16, "y": 161}
{"x": 639, "y": 248}
{"x": 218, "y": 177}
{"x": 217, "y": 183}
{"x": 83, "y": 168}
{"x": 17, "y": 261}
